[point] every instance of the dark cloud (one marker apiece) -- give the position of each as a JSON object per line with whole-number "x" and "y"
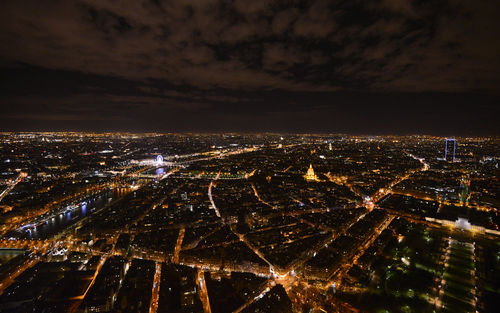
{"x": 120, "y": 60}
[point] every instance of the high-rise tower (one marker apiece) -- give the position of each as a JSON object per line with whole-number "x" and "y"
{"x": 449, "y": 149}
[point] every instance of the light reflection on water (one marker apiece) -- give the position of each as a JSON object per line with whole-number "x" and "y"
{"x": 54, "y": 225}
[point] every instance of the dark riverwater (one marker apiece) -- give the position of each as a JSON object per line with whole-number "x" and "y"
{"x": 54, "y": 224}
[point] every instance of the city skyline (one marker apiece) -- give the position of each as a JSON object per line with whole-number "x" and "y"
{"x": 249, "y": 156}
{"x": 255, "y": 223}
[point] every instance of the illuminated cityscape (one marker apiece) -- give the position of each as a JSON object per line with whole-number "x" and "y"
{"x": 249, "y": 156}
{"x": 125, "y": 222}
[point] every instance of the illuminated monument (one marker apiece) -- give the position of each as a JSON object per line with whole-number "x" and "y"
{"x": 310, "y": 176}
{"x": 159, "y": 159}
{"x": 447, "y": 147}
{"x": 464, "y": 194}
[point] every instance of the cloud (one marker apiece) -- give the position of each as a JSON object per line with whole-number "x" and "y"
{"x": 283, "y": 20}
{"x": 317, "y": 21}
{"x": 199, "y": 56}
{"x": 388, "y": 44}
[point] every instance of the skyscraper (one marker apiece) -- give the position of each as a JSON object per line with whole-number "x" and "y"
{"x": 448, "y": 150}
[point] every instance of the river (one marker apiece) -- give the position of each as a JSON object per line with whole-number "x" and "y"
{"x": 54, "y": 223}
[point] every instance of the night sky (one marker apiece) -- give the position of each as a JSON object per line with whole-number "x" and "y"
{"x": 361, "y": 67}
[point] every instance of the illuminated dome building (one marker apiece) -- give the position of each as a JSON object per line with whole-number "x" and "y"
{"x": 310, "y": 176}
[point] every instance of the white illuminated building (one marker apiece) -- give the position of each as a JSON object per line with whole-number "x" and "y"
{"x": 463, "y": 223}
